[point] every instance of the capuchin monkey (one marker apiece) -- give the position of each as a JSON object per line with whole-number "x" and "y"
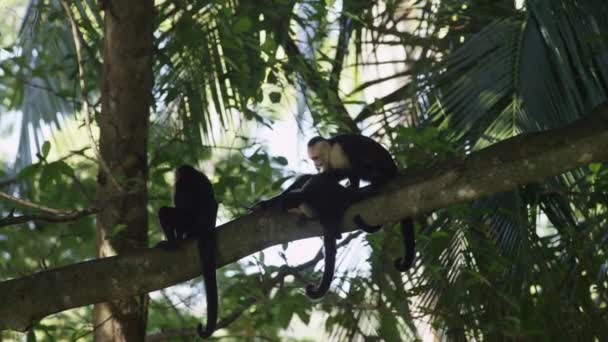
{"x": 193, "y": 217}
{"x": 357, "y": 158}
{"x": 350, "y": 195}
{"x": 320, "y": 197}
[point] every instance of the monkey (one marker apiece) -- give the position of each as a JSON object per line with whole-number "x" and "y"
{"x": 320, "y": 197}
{"x": 350, "y": 196}
{"x": 357, "y": 157}
{"x": 193, "y": 217}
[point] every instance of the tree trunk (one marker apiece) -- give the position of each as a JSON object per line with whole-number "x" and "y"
{"x": 122, "y": 196}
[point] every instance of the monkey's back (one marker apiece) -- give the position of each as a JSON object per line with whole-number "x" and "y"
{"x": 194, "y": 196}
{"x": 369, "y": 159}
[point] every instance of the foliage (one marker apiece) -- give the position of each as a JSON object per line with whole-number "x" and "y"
{"x": 449, "y": 77}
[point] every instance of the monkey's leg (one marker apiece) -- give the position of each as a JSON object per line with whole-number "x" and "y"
{"x": 169, "y": 222}
{"x": 409, "y": 244}
{"x": 290, "y": 200}
{"x": 330, "y": 233}
{"x": 207, "y": 245}
{"x": 265, "y": 204}
{"x": 278, "y": 201}
{"x": 336, "y": 174}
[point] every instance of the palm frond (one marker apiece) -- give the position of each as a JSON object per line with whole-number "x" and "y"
{"x": 47, "y": 68}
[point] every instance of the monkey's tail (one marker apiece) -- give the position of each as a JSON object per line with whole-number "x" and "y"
{"x": 358, "y": 220}
{"x": 409, "y": 243}
{"x": 206, "y": 248}
{"x": 329, "y": 242}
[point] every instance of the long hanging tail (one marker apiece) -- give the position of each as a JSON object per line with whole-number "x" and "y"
{"x": 329, "y": 242}
{"x": 206, "y": 248}
{"x": 409, "y": 243}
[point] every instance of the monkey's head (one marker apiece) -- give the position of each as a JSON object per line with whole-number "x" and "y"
{"x": 189, "y": 177}
{"x": 319, "y": 152}
{"x": 185, "y": 172}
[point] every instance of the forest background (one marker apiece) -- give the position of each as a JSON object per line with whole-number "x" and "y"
{"x": 495, "y": 110}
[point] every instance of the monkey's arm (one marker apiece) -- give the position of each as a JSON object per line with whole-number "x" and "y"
{"x": 169, "y": 219}
{"x": 339, "y": 174}
{"x": 276, "y": 202}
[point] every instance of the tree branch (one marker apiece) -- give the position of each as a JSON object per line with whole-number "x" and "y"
{"x": 47, "y": 214}
{"x": 345, "y": 24}
{"x": 369, "y": 109}
{"x": 266, "y": 286}
{"x": 67, "y": 216}
{"x": 521, "y": 160}
{"x": 32, "y": 205}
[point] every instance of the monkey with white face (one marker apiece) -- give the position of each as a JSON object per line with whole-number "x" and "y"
{"x": 357, "y": 158}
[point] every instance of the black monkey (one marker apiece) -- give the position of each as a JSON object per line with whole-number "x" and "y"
{"x": 321, "y": 197}
{"x": 349, "y": 195}
{"x": 193, "y": 217}
{"x": 358, "y": 157}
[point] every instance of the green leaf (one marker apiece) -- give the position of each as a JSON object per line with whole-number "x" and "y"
{"x": 242, "y": 25}
{"x": 389, "y": 326}
{"x": 269, "y": 47}
{"x": 595, "y": 168}
{"x": 46, "y": 147}
{"x": 28, "y": 172}
{"x": 31, "y": 337}
{"x": 280, "y": 160}
{"x": 64, "y": 168}
{"x": 49, "y": 175}
{"x": 440, "y": 236}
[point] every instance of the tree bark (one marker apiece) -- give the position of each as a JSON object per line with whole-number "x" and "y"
{"x": 521, "y": 160}
{"x": 122, "y": 225}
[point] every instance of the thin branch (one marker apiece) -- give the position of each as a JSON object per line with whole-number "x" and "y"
{"x": 379, "y": 80}
{"x": 330, "y": 97}
{"x": 369, "y": 109}
{"x": 31, "y": 205}
{"x": 48, "y": 214}
{"x": 341, "y": 47}
{"x": 85, "y": 100}
{"x": 70, "y": 216}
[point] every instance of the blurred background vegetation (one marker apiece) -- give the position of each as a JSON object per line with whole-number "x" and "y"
{"x": 239, "y": 87}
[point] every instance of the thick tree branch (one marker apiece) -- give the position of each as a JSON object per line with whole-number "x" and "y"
{"x": 266, "y": 286}
{"x": 521, "y": 160}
